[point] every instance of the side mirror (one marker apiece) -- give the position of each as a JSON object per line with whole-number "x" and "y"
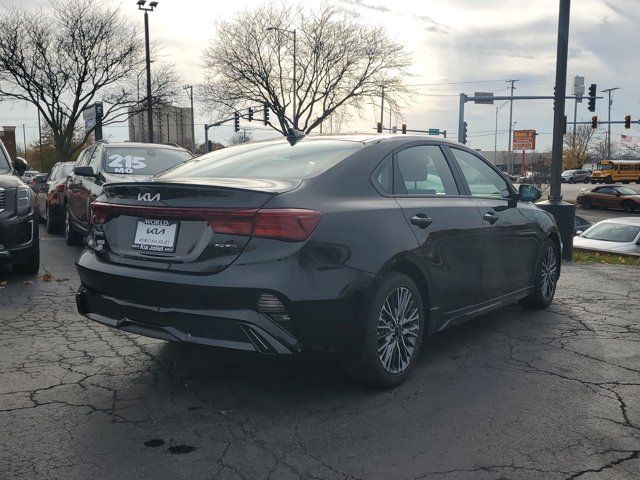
{"x": 529, "y": 193}
{"x": 579, "y": 232}
{"x": 20, "y": 166}
{"x": 85, "y": 171}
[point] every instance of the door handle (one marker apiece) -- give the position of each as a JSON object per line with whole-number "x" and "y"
{"x": 421, "y": 220}
{"x": 490, "y": 217}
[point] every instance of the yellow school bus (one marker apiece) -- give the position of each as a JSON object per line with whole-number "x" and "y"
{"x": 615, "y": 171}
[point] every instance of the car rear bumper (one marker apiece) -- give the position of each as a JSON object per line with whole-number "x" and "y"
{"x": 222, "y": 309}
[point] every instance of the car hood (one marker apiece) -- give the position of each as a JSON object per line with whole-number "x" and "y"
{"x": 604, "y": 246}
{"x": 8, "y": 180}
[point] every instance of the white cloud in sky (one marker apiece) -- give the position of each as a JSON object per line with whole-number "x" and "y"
{"x": 450, "y": 41}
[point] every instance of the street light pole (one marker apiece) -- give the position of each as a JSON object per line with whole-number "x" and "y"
{"x": 495, "y": 139}
{"x": 189, "y": 89}
{"x": 608, "y": 91}
{"x": 150, "y": 8}
{"x": 510, "y": 123}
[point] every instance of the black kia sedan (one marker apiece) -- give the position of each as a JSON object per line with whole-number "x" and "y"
{"x": 359, "y": 245}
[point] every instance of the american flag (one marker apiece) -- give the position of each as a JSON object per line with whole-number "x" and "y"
{"x": 627, "y": 138}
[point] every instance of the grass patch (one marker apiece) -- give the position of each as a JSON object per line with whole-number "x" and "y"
{"x": 585, "y": 256}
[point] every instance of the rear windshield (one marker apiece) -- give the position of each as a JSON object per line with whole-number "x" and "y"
{"x": 269, "y": 160}
{"x": 142, "y": 161}
{"x": 612, "y": 232}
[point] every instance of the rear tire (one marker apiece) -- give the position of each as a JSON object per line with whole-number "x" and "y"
{"x": 547, "y": 273}
{"x": 393, "y": 332}
{"x": 586, "y": 180}
{"x": 571, "y": 180}
{"x": 587, "y": 203}
{"x": 70, "y": 235}
{"x": 629, "y": 206}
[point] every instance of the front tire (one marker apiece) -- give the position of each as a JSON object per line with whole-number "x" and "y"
{"x": 393, "y": 333}
{"x": 70, "y": 235}
{"x": 629, "y": 206}
{"x": 587, "y": 203}
{"x": 586, "y": 180}
{"x": 547, "y": 274}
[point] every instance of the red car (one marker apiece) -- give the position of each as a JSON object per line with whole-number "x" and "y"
{"x": 50, "y": 199}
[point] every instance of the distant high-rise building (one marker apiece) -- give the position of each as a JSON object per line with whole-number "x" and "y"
{"x": 171, "y": 124}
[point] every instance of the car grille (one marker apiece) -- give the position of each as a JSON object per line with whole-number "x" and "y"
{"x": 1, "y": 199}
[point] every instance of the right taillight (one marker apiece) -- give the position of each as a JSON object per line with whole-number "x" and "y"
{"x": 289, "y": 224}
{"x": 60, "y": 187}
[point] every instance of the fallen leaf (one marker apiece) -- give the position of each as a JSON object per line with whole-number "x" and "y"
{"x": 62, "y": 279}
{"x": 47, "y": 277}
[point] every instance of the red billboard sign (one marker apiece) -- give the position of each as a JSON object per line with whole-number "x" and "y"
{"x": 524, "y": 139}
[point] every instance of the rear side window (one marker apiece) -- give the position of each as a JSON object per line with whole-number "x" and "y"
{"x": 142, "y": 161}
{"x": 383, "y": 176}
{"x": 269, "y": 160}
{"x": 425, "y": 171}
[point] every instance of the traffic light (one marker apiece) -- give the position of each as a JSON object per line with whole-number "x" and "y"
{"x": 627, "y": 121}
{"x": 379, "y": 127}
{"x": 265, "y": 113}
{"x": 250, "y": 114}
{"x": 404, "y": 128}
{"x": 236, "y": 122}
{"x": 464, "y": 133}
{"x": 592, "y": 98}
{"x": 594, "y": 121}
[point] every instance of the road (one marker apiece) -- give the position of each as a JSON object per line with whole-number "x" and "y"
{"x": 515, "y": 394}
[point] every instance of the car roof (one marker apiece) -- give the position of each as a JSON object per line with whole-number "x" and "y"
{"x": 623, "y": 220}
{"x": 365, "y": 138}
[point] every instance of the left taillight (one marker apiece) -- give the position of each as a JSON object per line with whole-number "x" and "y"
{"x": 60, "y": 187}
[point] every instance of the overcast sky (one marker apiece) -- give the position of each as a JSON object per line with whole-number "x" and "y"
{"x": 479, "y": 42}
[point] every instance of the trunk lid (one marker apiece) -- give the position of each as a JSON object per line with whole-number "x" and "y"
{"x": 182, "y": 226}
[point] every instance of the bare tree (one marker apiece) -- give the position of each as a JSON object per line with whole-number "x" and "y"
{"x": 598, "y": 149}
{"x": 340, "y": 63}
{"x": 577, "y": 148}
{"x": 64, "y": 59}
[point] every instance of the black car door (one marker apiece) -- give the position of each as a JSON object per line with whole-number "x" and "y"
{"x": 511, "y": 233}
{"x": 90, "y": 187}
{"x": 446, "y": 224}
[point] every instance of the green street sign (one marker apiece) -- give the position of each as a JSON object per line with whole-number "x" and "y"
{"x": 434, "y": 131}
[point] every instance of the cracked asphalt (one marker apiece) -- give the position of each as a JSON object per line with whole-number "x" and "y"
{"x": 512, "y": 395}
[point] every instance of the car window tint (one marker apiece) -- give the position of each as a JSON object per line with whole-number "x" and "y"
{"x": 383, "y": 176}
{"x": 268, "y": 160}
{"x": 483, "y": 180}
{"x": 425, "y": 171}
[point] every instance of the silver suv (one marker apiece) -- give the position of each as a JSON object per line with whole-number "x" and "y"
{"x": 576, "y": 176}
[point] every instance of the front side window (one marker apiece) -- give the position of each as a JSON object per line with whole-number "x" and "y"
{"x": 483, "y": 180}
{"x": 607, "y": 191}
{"x": 141, "y": 160}
{"x": 424, "y": 171}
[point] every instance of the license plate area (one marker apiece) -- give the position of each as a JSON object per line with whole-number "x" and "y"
{"x": 156, "y": 235}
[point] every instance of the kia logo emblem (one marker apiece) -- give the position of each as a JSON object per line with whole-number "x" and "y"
{"x": 147, "y": 197}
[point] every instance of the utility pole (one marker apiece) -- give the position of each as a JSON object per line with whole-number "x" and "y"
{"x": 189, "y": 89}
{"x": 150, "y": 8}
{"x": 24, "y": 141}
{"x": 40, "y": 140}
{"x": 578, "y": 91}
{"x": 608, "y": 91}
{"x": 512, "y": 81}
{"x": 382, "y": 107}
{"x": 563, "y": 212}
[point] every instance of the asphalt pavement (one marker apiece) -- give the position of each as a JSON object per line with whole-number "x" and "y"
{"x": 516, "y": 394}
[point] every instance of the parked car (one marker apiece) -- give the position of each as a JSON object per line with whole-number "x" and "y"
{"x": 575, "y": 176}
{"x": 580, "y": 224}
{"x": 28, "y": 174}
{"x": 19, "y": 241}
{"x": 37, "y": 181}
{"x": 615, "y": 235}
{"x": 359, "y": 245}
{"x": 105, "y": 163}
{"x": 50, "y": 199}
{"x": 610, "y": 196}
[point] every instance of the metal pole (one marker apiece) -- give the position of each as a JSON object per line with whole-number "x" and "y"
{"x": 149, "y": 98}
{"x": 193, "y": 123}
{"x": 495, "y": 140}
{"x": 381, "y": 107}
{"x": 575, "y": 114}
{"x": 40, "y": 140}
{"x": 24, "y": 140}
{"x": 608, "y": 91}
{"x": 206, "y": 138}
{"x": 510, "y": 124}
{"x": 295, "y": 81}
{"x": 463, "y": 99}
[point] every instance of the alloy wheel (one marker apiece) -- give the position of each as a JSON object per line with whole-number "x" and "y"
{"x": 549, "y": 273}
{"x": 398, "y": 330}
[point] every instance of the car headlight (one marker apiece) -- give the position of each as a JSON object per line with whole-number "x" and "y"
{"x": 22, "y": 200}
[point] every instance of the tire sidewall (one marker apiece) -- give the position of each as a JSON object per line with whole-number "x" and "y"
{"x": 540, "y": 301}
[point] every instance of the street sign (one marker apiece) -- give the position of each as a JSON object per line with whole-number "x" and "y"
{"x": 434, "y": 131}
{"x": 488, "y": 101}
{"x": 524, "y": 139}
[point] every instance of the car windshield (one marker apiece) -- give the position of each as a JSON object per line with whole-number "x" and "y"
{"x": 142, "y": 161}
{"x": 612, "y": 232}
{"x": 270, "y": 160}
{"x": 626, "y": 191}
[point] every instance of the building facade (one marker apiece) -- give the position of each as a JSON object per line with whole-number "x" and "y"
{"x": 171, "y": 124}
